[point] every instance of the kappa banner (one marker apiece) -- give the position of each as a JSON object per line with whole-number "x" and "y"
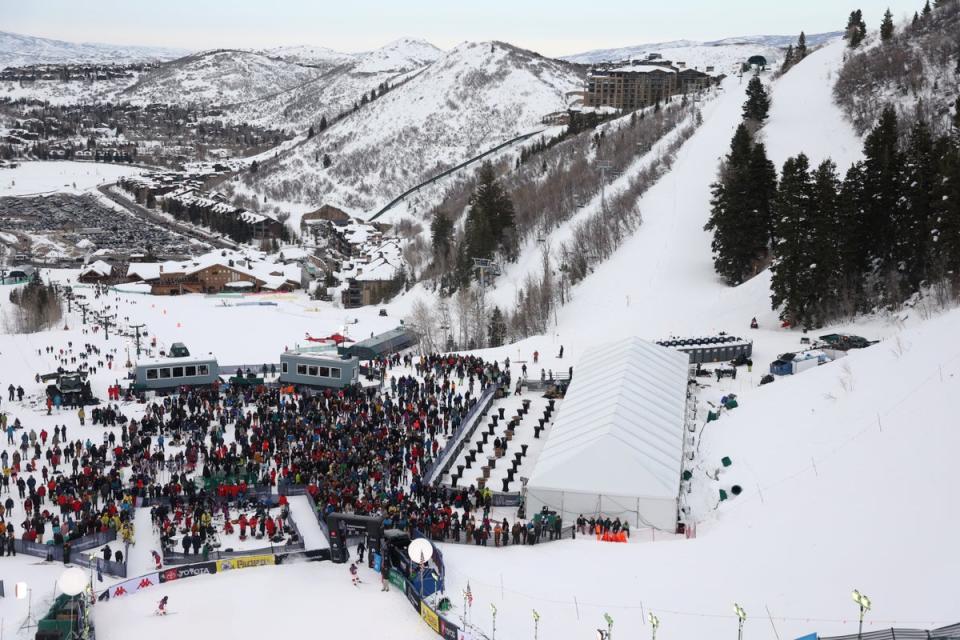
{"x": 430, "y": 617}
{"x": 134, "y": 584}
{"x": 246, "y": 562}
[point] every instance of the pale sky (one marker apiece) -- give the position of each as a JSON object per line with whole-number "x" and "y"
{"x": 551, "y": 27}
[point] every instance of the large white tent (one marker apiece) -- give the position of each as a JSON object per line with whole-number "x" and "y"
{"x": 616, "y": 446}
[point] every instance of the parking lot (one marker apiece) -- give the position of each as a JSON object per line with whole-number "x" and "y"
{"x": 64, "y": 225}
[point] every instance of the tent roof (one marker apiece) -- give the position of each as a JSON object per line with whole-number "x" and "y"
{"x": 619, "y": 431}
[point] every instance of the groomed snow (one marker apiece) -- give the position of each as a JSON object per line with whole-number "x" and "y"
{"x": 312, "y": 599}
{"x": 803, "y": 116}
{"x": 35, "y": 178}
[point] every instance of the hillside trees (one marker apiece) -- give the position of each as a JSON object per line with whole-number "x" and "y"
{"x": 36, "y": 306}
{"x": 489, "y": 228}
{"x": 890, "y": 229}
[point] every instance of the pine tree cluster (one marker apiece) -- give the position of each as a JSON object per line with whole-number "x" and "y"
{"x": 888, "y": 229}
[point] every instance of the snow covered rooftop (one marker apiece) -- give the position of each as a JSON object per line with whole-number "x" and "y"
{"x": 641, "y": 68}
{"x": 619, "y": 431}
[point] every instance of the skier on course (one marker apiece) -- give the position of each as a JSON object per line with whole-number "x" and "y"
{"x": 162, "y": 606}
{"x": 354, "y": 574}
{"x": 156, "y": 559}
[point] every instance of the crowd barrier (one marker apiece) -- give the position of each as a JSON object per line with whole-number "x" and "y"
{"x": 435, "y": 470}
{"x": 210, "y": 567}
{"x": 942, "y": 633}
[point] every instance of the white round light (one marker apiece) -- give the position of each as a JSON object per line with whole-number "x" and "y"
{"x": 420, "y": 550}
{"x": 72, "y": 581}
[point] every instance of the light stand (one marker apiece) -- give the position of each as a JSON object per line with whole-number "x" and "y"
{"x": 864, "y": 604}
{"x": 654, "y": 623}
{"x": 536, "y": 623}
{"x": 609, "y": 621}
{"x": 741, "y": 616}
{"x": 30, "y": 622}
{"x": 493, "y": 634}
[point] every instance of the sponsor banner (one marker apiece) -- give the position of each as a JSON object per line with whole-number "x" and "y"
{"x": 188, "y": 571}
{"x": 134, "y": 585}
{"x": 396, "y": 579}
{"x": 413, "y": 597}
{"x": 448, "y": 630}
{"x": 245, "y": 562}
{"x": 377, "y": 562}
{"x": 430, "y": 617}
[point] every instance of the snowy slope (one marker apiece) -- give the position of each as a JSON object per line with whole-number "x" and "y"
{"x": 474, "y": 97}
{"x": 18, "y": 49}
{"x": 805, "y": 118}
{"x": 721, "y": 53}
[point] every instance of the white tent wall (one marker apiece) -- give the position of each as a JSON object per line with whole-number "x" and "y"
{"x": 659, "y": 513}
{"x": 616, "y": 446}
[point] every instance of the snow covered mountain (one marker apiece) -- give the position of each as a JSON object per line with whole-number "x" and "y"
{"x": 309, "y": 55}
{"x": 474, "y": 97}
{"x": 220, "y": 77}
{"x": 17, "y": 49}
{"x": 719, "y": 53}
{"x": 338, "y": 81}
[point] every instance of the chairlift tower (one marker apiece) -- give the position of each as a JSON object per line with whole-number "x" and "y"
{"x": 604, "y": 166}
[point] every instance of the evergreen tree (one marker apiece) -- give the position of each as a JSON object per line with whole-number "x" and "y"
{"x": 763, "y": 189}
{"x": 323, "y": 123}
{"x": 913, "y": 223}
{"x": 791, "y": 284}
{"x": 882, "y": 186}
{"x": 926, "y": 9}
{"x": 825, "y": 240}
{"x": 489, "y": 224}
{"x": 801, "y": 46}
{"x": 856, "y": 29}
{"x": 757, "y": 105}
{"x": 852, "y": 247}
{"x": 886, "y": 27}
{"x": 441, "y": 235}
{"x": 310, "y": 133}
{"x": 739, "y": 231}
{"x": 326, "y": 161}
{"x": 497, "y": 328}
{"x": 916, "y": 18}
{"x": 945, "y": 223}
{"x": 787, "y": 59}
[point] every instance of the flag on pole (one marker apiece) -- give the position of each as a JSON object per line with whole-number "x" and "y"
{"x": 468, "y": 595}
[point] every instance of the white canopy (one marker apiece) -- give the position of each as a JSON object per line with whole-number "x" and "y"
{"x": 616, "y": 446}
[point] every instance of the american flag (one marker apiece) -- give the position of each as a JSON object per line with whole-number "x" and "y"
{"x": 468, "y": 594}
